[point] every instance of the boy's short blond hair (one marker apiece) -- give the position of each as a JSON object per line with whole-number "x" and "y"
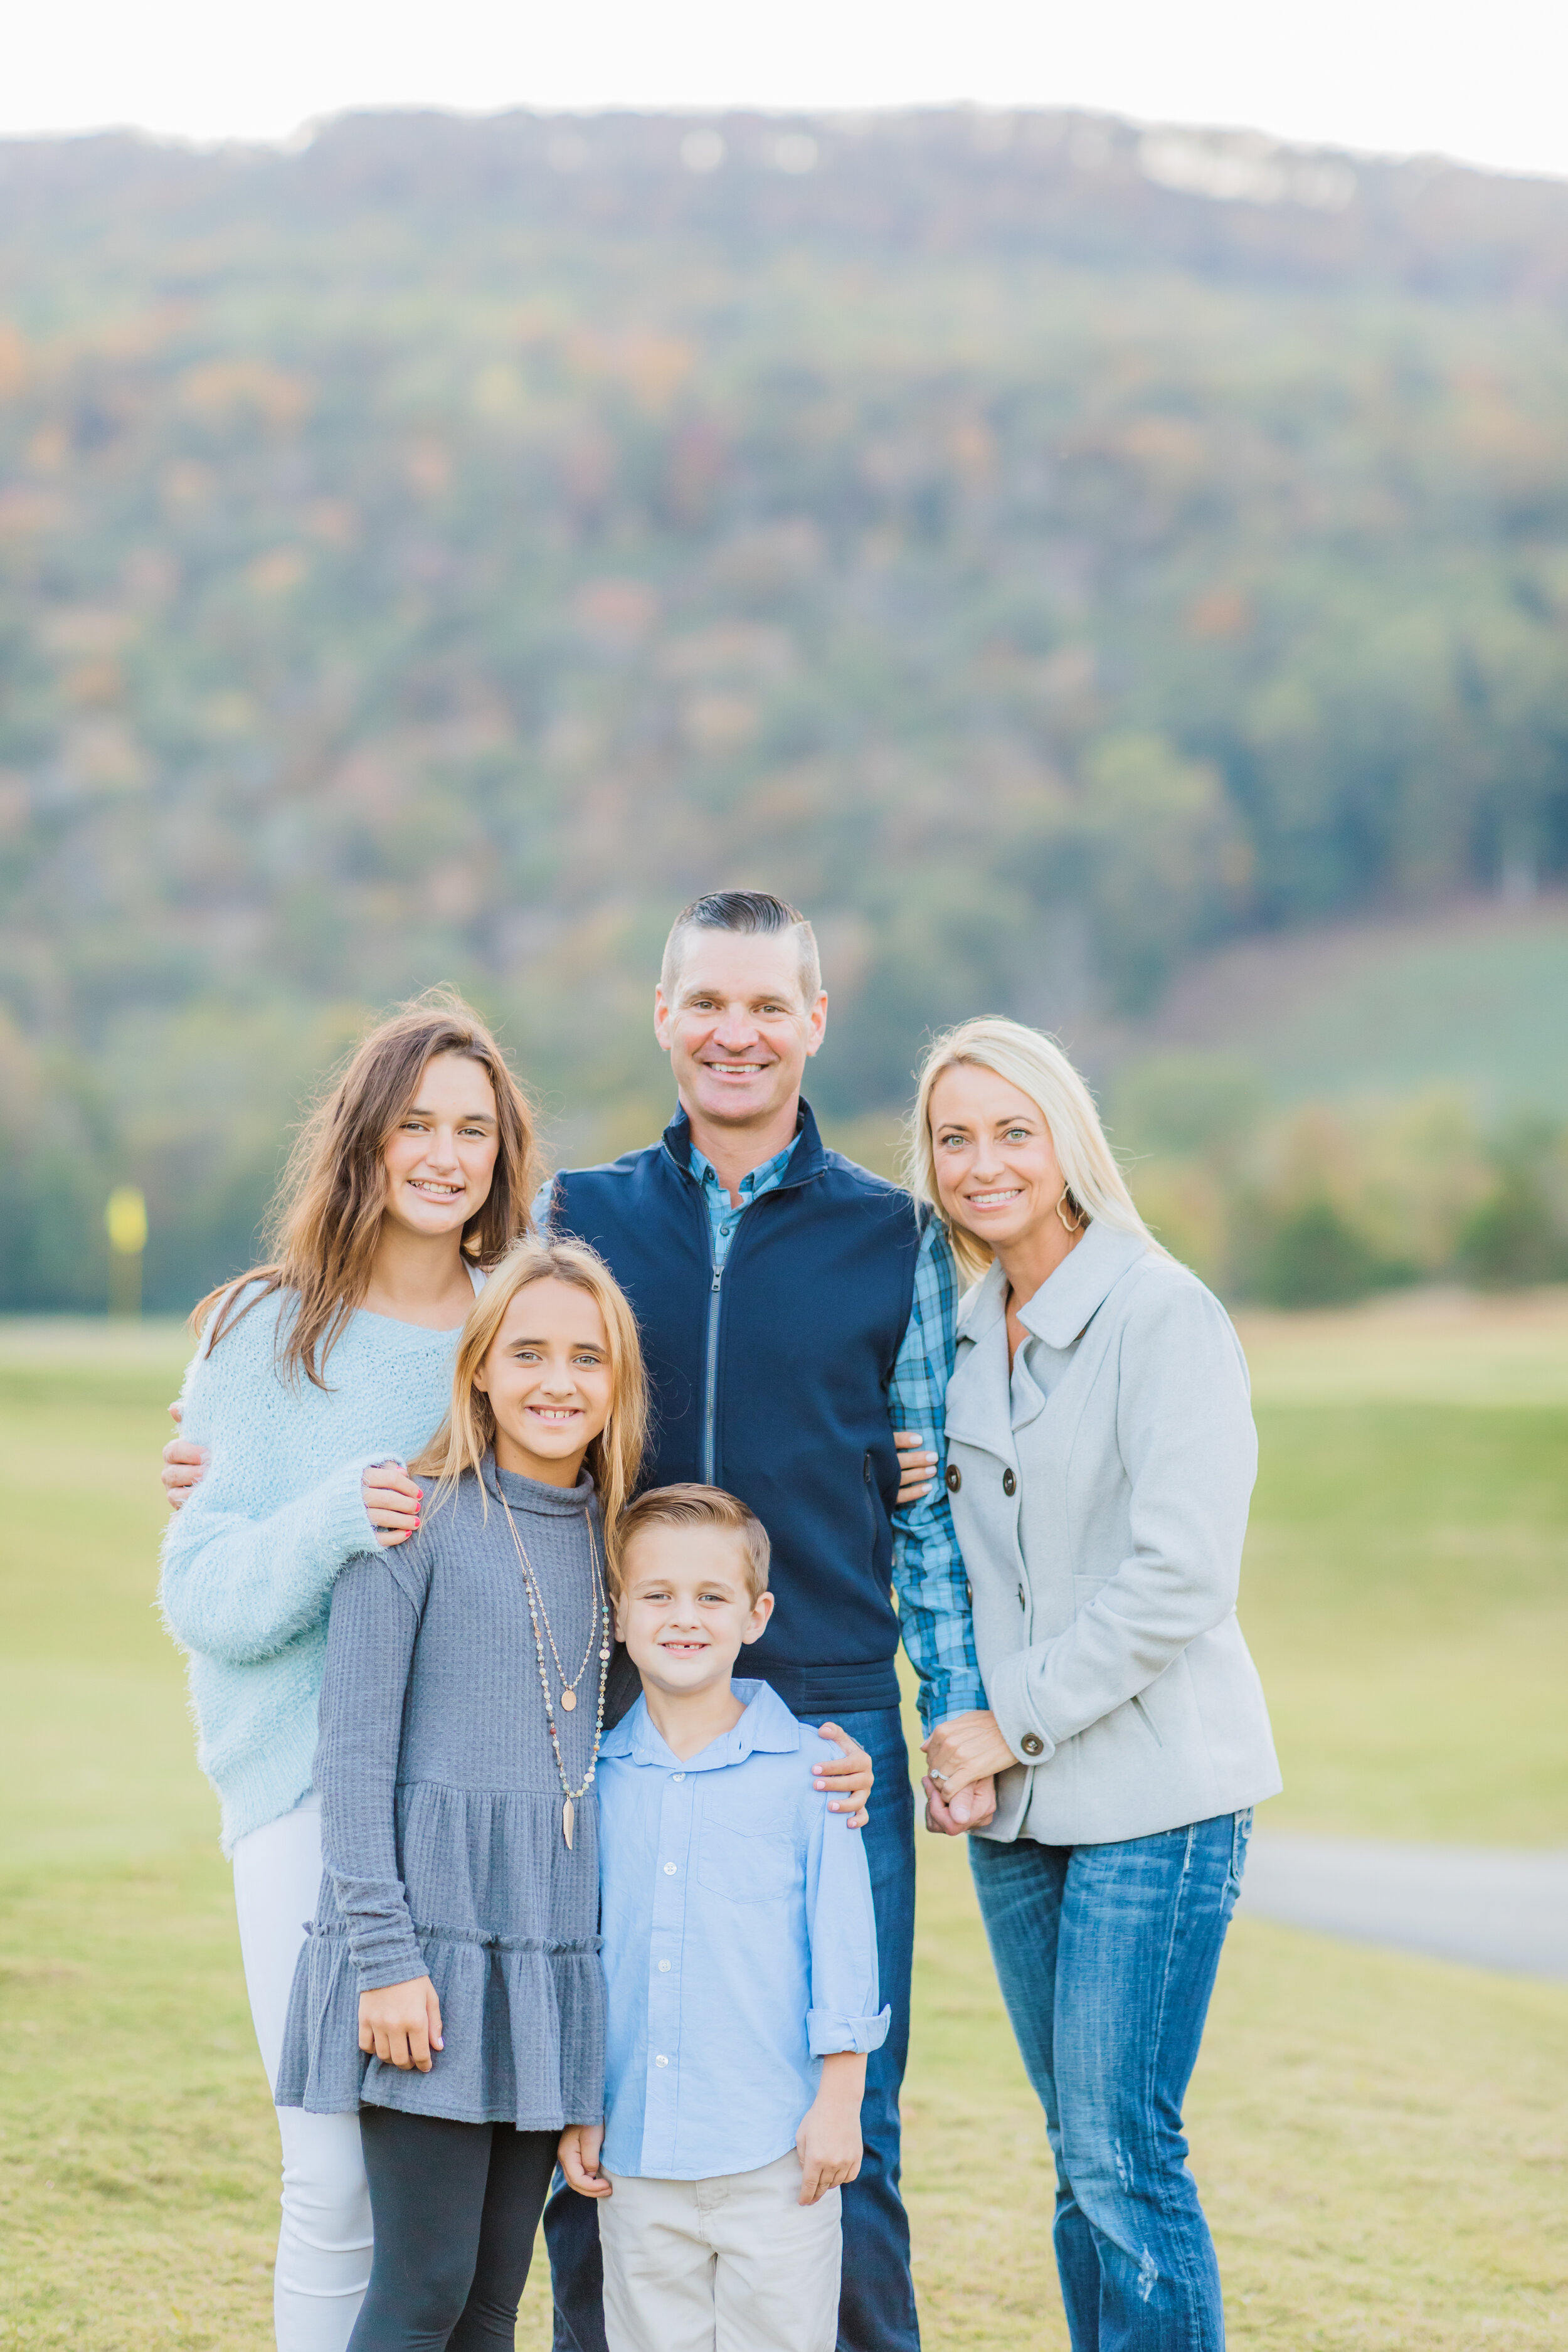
{"x": 691, "y": 1506}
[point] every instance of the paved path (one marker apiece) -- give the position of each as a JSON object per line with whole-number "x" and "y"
{"x": 1495, "y": 1907}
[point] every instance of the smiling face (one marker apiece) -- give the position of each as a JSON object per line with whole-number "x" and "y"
{"x": 550, "y": 1383}
{"x": 997, "y": 1169}
{"x": 685, "y": 1608}
{"x": 440, "y": 1158}
{"x": 737, "y": 1027}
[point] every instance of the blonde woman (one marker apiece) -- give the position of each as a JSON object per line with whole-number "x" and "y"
{"x": 449, "y": 1996}
{"x": 1100, "y": 1460}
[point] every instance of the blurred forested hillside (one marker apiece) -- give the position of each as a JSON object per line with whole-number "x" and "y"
{"x": 1045, "y": 549}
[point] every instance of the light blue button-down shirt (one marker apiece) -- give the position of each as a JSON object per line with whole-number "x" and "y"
{"x": 723, "y": 1216}
{"x": 740, "y": 1942}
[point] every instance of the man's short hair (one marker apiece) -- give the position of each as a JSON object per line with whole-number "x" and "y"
{"x": 754, "y": 911}
{"x": 690, "y": 1505}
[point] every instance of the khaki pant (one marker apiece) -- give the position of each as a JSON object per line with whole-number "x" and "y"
{"x": 734, "y": 2265}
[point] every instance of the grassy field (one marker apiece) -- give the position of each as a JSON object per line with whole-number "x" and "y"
{"x": 1474, "y": 997}
{"x": 1382, "y": 2142}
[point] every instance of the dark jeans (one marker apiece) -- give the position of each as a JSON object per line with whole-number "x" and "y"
{"x": 1106, "y": 1957}
{"x": 455, "y": 2208}
{"x": 877, "y": 2301}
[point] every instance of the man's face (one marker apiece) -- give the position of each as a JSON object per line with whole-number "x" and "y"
{"x": 738, "y": 1032}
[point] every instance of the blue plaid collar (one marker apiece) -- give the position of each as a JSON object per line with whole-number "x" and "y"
{"x": 760, "y": 1180}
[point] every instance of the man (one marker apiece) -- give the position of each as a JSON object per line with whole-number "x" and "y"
{"x": 794, "y": 1309}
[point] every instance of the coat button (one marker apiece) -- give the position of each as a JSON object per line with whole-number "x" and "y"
{"x": 1009, "y": 1482}
{"x": 1032, "y": 1744}
{"x": 954, "y": 1478}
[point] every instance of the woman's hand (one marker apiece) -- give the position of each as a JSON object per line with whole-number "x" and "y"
{"x": 916, "y": 1467}
{"x": 578, "y": 2157}
{"x": 401, "y": 2024}
{"x": 973, "y": 1808}
{"x": 965, "y": 1749}
{"x": 850, "y": 1778}
{"x": 185, "y": 1462}
{"x": 393, "y": 1501}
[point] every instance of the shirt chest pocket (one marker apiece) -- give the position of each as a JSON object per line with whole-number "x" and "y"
{"x": 750, "y": 1862}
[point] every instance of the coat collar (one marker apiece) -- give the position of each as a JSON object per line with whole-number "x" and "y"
{"x": 1066, "y": 1301}
{"x": 767, "y": 1728}
{"x": 1070, "y": 1298}
{"x": 807, "y": 1161}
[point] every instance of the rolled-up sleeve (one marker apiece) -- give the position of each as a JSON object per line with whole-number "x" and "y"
{"x": 846, "y": 2012}
{"x": 1186, "y": 1435}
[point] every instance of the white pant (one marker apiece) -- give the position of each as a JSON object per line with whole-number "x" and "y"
{"x": 323, "y": 2243}
{"x": 733, "y": 2265}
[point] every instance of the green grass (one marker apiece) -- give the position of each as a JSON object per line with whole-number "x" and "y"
{"x": 1380, "y": 2140}
{"x": 1475, "y": 998}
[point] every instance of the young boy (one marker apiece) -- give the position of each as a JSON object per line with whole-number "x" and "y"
{"x": 740, "y": 1954}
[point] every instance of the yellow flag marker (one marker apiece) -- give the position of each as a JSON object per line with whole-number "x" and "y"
{"x": 125, "y": 1222}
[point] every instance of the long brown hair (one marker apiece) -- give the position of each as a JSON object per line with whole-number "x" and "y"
{"x": 324, "y": 1223}
{"x": 469, "y": 1431}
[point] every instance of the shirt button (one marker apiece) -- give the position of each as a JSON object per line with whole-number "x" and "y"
{"x": 661, "y": 2061}
{"x": 1031, "y": 1743}
{"x": 677, "y": 1775}
{"x": 669, "y": 1870}
{"x": 664, "y": 1968}
{"x": 954, "y": 1478}
{"x": 1009, "y": 1482}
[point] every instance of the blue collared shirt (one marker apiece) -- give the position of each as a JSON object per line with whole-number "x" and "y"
{"x": 723, "y": 1215}
{"x": 934, "y": 1616}
{"x": 739, "y": 1938}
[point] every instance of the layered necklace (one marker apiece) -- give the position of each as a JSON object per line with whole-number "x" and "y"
{"x": 598, "y": 1630}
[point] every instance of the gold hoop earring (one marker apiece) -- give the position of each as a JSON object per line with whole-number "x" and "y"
{"x": 1068, "y": 1223}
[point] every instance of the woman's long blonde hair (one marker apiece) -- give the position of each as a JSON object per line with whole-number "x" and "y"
{"x": 1038, "y": 1067}
{"x": 324, "y": 1224}
{"x": 469, "y": 1431}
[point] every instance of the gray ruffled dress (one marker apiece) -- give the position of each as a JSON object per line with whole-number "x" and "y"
{"x": 441, "y": 1819}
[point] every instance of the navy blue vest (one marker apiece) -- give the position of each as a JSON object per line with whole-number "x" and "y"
{"x": 772, "y": 1381}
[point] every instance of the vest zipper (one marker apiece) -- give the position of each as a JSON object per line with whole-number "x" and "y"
{"x": 711, "y": 1369}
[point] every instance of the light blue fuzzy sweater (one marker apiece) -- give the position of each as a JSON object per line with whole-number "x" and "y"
{"x": 250, "y": 1562}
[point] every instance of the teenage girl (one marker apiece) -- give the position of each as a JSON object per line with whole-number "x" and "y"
{"x": 317, "y": 1376}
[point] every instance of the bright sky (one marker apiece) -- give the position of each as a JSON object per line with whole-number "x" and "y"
{"x": 1485, "y": 80}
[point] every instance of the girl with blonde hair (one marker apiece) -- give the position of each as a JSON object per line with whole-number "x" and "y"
{"x": 449, "y": 1995}
{"x": 1100, "y": 1458}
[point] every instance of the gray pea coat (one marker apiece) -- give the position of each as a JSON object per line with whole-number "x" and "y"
{"x": 1100, "y": 1495}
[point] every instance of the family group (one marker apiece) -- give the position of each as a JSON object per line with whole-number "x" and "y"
{"x": 541, "y": 1553}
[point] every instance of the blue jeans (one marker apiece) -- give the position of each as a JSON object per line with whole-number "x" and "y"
{"x": 877, "y": 2301}
{"x": 1106, "y": 1957}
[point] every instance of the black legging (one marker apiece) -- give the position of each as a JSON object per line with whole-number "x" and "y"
{"x": 455, "y": 2208}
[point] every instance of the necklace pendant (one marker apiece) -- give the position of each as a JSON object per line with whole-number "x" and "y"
{"x": 567, "y": 1817}
{"x": 568, "y": 1700}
